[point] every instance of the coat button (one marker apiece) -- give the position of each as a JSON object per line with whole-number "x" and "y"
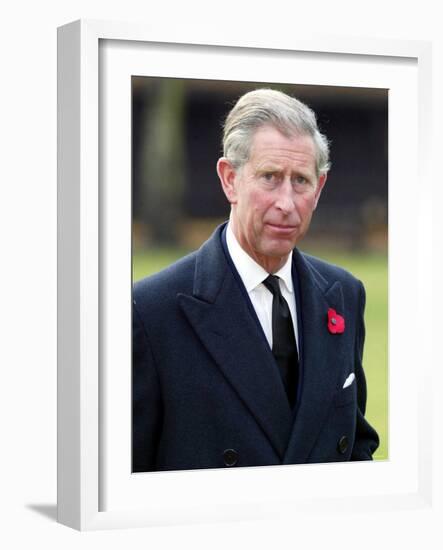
{"x": 342, "y": 445}
{"x": 230, "y": 457}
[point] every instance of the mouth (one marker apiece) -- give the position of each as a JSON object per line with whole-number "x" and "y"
{"x": 282, "y": 229}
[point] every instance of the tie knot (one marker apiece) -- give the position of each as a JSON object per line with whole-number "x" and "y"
{"x": 272, "y": 284}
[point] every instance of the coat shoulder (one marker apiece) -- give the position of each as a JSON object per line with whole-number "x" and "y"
{"x": 199, "y": 274}
{"x": 328, "y": 273}
{"x": 159, "y": 288}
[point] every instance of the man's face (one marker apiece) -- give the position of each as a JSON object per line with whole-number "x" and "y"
{"x": 273, "y": 195}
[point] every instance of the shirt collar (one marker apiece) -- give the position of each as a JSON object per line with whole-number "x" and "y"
{"x": 251, "y": 273}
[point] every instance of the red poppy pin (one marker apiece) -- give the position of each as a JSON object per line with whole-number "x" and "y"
{"x": 336, "y": 323}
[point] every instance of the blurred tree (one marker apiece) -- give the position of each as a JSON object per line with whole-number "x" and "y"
{"x": 162, "y": 159}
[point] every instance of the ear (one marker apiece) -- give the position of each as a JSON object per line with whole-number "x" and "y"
{"x": 227, "y": 174}
{"x": 320, "y": 184}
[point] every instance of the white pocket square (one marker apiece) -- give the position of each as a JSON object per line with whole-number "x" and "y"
{"x": 349, "y": 380}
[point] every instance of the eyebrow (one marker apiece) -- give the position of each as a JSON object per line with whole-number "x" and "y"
{"x": 275, "y": 169}
{"x": 269, "y": 168}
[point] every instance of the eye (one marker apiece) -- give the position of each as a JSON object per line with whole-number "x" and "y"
{"x": 270, "y": 179}
{"x": 300, "y": 180}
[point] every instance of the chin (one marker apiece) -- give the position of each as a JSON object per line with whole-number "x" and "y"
{"x": 283, "y": 246}
{"x": 278, "y": 251}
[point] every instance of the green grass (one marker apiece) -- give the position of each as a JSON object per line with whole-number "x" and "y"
{"x": 372, "y": 269}
{"x": 146, "y": 263}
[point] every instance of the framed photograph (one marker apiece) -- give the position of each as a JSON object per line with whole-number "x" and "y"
{"x": 178, "y": 202}
{"x": 104, "y": 72}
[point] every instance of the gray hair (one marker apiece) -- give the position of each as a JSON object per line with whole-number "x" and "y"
{"x": 270, "y": 107}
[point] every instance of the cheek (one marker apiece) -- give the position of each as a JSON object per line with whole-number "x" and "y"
{"x": 306, "y": 206}
{"x": 260, "y": 202}
{"x": 250, "y": 206}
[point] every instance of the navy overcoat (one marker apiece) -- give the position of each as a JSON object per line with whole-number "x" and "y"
{"x": 206, "y": 390}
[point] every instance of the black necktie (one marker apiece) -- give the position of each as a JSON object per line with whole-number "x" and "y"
{"x": 284, "y": 346}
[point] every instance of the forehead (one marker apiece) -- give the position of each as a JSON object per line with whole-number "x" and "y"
{"x": 270, "y": 145}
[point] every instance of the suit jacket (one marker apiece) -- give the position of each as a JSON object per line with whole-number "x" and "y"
{"x": 207, "y": 392}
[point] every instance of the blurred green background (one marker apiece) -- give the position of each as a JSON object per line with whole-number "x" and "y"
{"x": 177, "y": 199}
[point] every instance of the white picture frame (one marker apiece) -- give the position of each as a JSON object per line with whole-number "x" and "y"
{"x": 95, "y": 487}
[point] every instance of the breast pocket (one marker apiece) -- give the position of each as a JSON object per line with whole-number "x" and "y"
{"x": 345, "y": 396}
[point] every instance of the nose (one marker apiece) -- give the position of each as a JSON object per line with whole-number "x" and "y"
{"x": 285, "y": 198}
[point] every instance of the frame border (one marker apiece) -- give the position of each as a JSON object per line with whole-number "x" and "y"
{"x": 78, "y": 205}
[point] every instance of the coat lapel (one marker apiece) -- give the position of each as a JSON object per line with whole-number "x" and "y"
{"x": 220, "y": 316}
{"x": 322, "y": 352}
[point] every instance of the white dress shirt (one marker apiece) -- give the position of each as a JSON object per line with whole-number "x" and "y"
{"x": 253, "y": 275}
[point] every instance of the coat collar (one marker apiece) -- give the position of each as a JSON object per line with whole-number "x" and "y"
{"x": 222, "y": 319}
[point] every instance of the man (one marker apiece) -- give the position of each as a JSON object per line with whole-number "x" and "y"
{"x": 248, "y": 352}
